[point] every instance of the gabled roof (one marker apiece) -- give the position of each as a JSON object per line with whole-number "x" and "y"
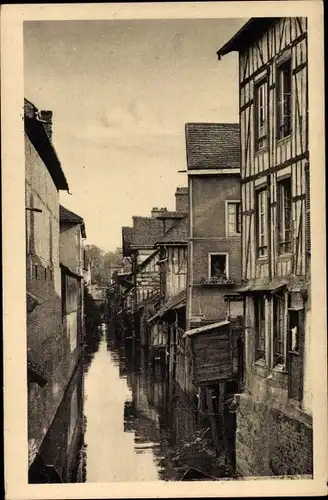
{"x": 37, "y": 134}
{"x": 70, "y": 217}
{"x": 177, "y": 233}
{"x": 212, "y": 145}
{"x": 252, "y": 30}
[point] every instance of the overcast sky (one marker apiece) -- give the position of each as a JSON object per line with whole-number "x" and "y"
{"x": 121, "y": 93}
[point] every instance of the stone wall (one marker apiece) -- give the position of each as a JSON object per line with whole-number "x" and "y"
{"x": 271, "y": 443}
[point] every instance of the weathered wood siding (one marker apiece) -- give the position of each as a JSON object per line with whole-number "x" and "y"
{"x": 176, "y": 270}
{"x": 281, "y": 157}
{"x": 148, "y": 279}
{"x": 214, "y": 356}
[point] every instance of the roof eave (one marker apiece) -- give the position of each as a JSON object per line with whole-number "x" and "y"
{"x": 40, "y": 140}
{"x": 246, "y": 32}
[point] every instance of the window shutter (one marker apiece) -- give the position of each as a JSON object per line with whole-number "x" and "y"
{"x": 307, "y": 210}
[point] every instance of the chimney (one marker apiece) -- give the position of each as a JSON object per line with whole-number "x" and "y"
{"x": 181, "y": 199}
{"x": 157, "y": 211}
{"x": 46, "y": 118}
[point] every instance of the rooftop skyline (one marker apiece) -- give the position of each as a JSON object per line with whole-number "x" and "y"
{"x": 121, "y": 93}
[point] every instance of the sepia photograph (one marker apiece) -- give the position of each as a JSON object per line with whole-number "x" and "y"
{"x": 169, "y": 240}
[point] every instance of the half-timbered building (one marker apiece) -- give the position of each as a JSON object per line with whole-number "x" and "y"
{"x": 274, "y": 415}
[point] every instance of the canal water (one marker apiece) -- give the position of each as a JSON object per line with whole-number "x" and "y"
{"x": 138, "y": 426}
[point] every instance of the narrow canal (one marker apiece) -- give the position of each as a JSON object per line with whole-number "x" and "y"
{"x": 137, "y": 426}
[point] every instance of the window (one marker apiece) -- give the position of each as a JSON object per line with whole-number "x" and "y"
{"x": 285, "y": 216}
{"x": 233, "y": 218}
{"x": 294, "y": 330}
{"x": 261, "y": 114}
{"x": 284, "y": 99}
{"x": 295, "y": 351}
{"x": 260, "y": 328}
{"x": 278, "y": 332}
{"x": 262, "y": 223}
{"x": 218, "y": 266}
{"x": 36, "y": 271}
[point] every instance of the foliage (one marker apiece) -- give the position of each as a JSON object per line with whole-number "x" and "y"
{"x": 104, "y": 263}
{"x": 92, "y": 313}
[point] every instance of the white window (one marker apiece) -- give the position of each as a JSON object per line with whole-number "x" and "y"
{"x": 233, "y": 217}
{"x": 218, "y": 266}
{"x": 261, "y": 114}
{"x": 262, "y": 223}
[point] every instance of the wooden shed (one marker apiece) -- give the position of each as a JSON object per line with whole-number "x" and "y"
{"x": 214, "y": 353}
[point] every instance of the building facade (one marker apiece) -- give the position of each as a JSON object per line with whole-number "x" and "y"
{"x": 71, "y": 253}
{"x": 214, "y": 248}
{"x": 51, "y": 388}
{"x": 274, "y": 423}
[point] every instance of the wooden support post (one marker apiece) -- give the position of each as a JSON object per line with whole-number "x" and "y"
{"x": 214, "y": 427}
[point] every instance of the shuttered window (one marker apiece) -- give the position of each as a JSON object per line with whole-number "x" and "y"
{"x": 284, "y": 99}
{"x": 261, "y": 114}
{"x": 262, "y": 223}
{"x": 285, "y": 215}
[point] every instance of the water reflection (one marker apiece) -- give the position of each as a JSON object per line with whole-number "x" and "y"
{"x": 139, "y": 425}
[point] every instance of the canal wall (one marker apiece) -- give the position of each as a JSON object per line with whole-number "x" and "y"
{"x": 64, "y": 438}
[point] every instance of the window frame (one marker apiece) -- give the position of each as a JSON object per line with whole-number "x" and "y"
{"x": 261, "y": 137}
{"x": 238, "y": 223}
{"x": 279, "y": 332}
{"x": 210, "y": 254}
{"x": 259, "y": 233}
{"x": 281, "y": 94}
{"x": 260, "y": 302}
{"x": 284, "y": 245}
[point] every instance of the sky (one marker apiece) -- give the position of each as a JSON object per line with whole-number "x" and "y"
{"x": 121, "y": 92}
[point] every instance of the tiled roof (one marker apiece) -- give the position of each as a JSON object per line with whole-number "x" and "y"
{"x": 144, "y": 233}
{"x": 147, "y": 230}
{"x": 253, "y": 29}
{"x": 212, "y": 145}
{"x": 177, "y": 233}
{"x": 37, "y": 134}
{"x": 66, "y": 215}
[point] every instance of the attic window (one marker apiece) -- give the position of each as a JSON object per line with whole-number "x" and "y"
{"x": 218, "y": 266}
